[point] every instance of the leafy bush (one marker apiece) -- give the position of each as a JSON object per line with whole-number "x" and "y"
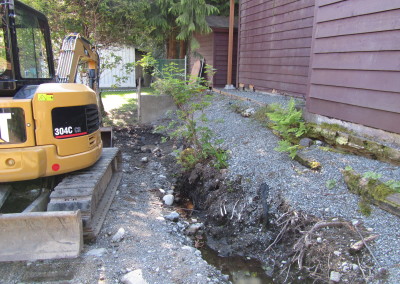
{"x": 289, "y": 124}
{"x": 190, "y": 98}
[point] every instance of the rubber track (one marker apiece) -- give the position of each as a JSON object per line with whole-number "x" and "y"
{"x": 90, "y": 190}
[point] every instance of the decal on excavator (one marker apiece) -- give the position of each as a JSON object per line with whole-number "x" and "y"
{"x": 12, "y": 125}
{"x": 74, "y": 121}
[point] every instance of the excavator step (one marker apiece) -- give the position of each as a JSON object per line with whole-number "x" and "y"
{"x": 90, "y": 190}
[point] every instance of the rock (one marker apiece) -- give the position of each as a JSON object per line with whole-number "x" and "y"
{"x": 337, "y": 253}
{"x": 162, "y": 191}
{"x": 355, "y": 267}
{"x": 319, "y": 143}
{"x": 134, "y": 277}
{"x": 192, "y": 229}
{"x": 188, "y": 248}
{"x": 248, "y": 112}
{"x": 335, "y": 276}
{"x": 99, "y": 252}
{"x": 319, "y": 240}
{"x": 306, "y": 142}
{"x": 144, "y": 160}
{"x": 173, "y": 216}
{"x": 118, "y": 236}
{"x": 168, "y": 199}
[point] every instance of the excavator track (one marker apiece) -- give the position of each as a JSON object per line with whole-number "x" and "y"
{"x": 90, "y": 190}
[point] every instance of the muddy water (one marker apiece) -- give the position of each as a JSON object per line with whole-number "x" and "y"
{"x": 241, "y": 270}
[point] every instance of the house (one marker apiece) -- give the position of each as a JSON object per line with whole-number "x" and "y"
{"x": 214, "y": 49}
{"x": 342, "y": 56}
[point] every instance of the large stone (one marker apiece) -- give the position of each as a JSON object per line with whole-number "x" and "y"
{"x": 173, "y": 216}
{"x": 118, "y": 235}
{"x": 306, "y": 142}
{"x": 335, "y": 276}
{"x": 168, "y": 199}
{"x": 134, "y": 277}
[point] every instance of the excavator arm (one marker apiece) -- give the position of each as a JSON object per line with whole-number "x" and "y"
{"x": 76, "y": 50}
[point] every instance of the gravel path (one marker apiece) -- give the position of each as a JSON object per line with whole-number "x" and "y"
{"x": 149, "y": 248}
{"x": 253, "y": 157}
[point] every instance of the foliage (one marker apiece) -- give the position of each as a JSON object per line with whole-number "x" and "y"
{"x": 372, "y": 175}
{"x": 394, "y": 185}
{"x": 289, "y": 124}
{"x": 286, "y": 146}
{"x": 105, "y": 22}
{"x": 190, "y": 99}
{"x": 330, "y": 184}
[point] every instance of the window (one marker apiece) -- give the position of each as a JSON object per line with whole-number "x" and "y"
{"x": 12, "y": 126}
{"x": 31, "y": 46}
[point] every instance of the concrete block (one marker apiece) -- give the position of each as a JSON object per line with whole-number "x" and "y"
{"x": 153, "y": 107}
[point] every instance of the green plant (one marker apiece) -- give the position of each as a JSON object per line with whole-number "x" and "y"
{"x": 330, "y": 184}
{"x": 372, "y": 175}
{"x": 190, "y": 99}
{"x": 393, "y": 184}
{"x": 348, "y": 168}
{"x": 289, "y": 124}
{"x": 286, "y": 146}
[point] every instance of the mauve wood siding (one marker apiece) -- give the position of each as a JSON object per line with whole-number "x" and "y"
{"x": 214, "y": 49}
{"x": 355, "y": 65}
{"x": 275, "y": 44}
{"x": 221, "y": 39}
{"x": 206, "y": 47}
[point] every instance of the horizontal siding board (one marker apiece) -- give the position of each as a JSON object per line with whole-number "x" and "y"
{"x": 288, "y": 26}
{"x": 298, "y": 80}
{"x": 270, "y": 69}
{"x": 279, "y": 19}
{"x": 373, "y": 80}
{"x": 384, "y": 21}
{"x": 296, "y": 52}
{"x": 280, "y": 61}
{"x": 385, "y": 61}
{"x": 389, "y": 40}
{"x": 274, "y": 36}
{"x": 358, "y": 97}
{"x": 280, "y": 44}
{"x": 370, "y": 117}
{"x": 347, "y": 9}
{"x": 328, "y": 2}
{"x": 269, "y": 12}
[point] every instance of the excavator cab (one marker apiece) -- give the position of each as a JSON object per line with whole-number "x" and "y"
{"x": 26, "y": 57}
{"x": 49, "y": 125}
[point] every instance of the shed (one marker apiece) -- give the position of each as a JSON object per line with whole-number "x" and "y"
{"x": 109, "y": 77}
{"x": 214, "y": 49}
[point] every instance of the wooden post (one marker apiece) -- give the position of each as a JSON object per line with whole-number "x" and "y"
{"x": 230, "y": 45}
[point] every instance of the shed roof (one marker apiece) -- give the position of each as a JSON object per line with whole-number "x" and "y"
{"x": 219, "y": 22}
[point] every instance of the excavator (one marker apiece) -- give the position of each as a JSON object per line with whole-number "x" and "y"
{"x": 50, "y": 129}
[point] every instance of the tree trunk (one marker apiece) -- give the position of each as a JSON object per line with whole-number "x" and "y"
{"x": 182, "y": 49}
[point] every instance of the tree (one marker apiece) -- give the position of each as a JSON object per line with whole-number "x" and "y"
{"x": 105, "y": 22}
{"x": 178, "y": 20}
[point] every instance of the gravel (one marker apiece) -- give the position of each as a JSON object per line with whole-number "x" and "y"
{"x": 252, "y": 156}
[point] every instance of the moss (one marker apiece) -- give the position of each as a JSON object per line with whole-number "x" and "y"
{"x": 381, "y": 191}
{"x": 335, "y": 127}
{"x": 365, "y": 207}
{"x": 261, "y": 115}
{"x": 370, "y": 190}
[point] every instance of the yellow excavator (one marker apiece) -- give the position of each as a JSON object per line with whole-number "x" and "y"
{"x": 50, "y": 126}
